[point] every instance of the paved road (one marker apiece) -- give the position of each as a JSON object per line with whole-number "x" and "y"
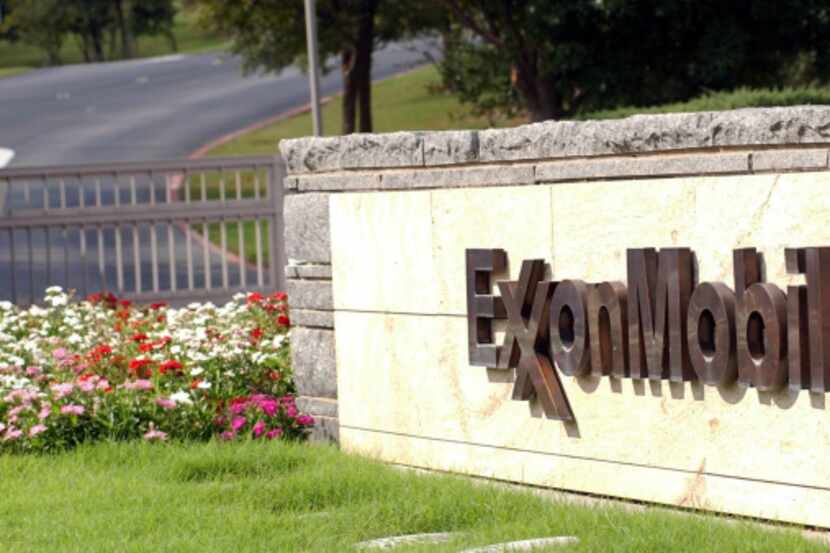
{"x": 159, "y": 108}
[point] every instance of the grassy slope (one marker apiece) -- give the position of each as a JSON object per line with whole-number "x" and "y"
{"x": 405, "y": 102}
{"x": 18, "y": 57}
{"x": 276, "y": 497}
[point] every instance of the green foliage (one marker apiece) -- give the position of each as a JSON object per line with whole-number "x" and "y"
{"x": 562, "y": 58}
{"x": 105, "y": 29}
{"x": 717, "y": 101}
{"x": 250, "y": 496}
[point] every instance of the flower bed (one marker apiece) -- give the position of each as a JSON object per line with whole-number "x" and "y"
{"x": 103, "y": 369}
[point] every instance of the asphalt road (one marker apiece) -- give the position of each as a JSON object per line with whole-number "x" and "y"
{"x": 159, "y": 108}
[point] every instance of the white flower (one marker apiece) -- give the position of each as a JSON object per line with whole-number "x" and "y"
{"x": 57, "y": 300}
{"x": 6, "y": 305}
{"x": 74, "y": 339}
{"x": 182, "y": 397}
{"x": 204, "y": 385}
{"x": 196, "y": 371}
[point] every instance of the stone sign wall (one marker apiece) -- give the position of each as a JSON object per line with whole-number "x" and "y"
{"x": 377, "y": 230}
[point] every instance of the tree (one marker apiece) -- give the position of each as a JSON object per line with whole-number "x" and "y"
{"x": 270, "y": 35}
{"x": 558, "y": 58}
{"x": 40, "y": 23}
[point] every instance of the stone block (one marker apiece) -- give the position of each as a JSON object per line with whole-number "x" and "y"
{"x": 382, "y": 251}
{"x": 430, "y": 408}
{"x": 354, "y": 151}
{"x": 784, "y": 160}
{"x": 312, "y": 318}
{"x": 485, "y": 218}
{"x": 450, "y": 147}
{"x": 339, "y": 181}
{"x": 310, "y": 294}
{"x": 307, "y": 227}
{"x": 313, "y": 362}
{"x": 660, "y": 132}
{"x": 652, "y": 166}
{"x": 317, "y": 406}
{"x": 312, "y": 271}
{"x": 497, "y": 175}
{"x": 325, "y": 429}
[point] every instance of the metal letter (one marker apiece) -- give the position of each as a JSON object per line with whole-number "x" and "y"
{"x": 528, "y": 322}
{"x": 569, "y": 344}
{"x": 711, "y": 333}
{"x": 660, "y": 287}
{"x": 608, "y": 329}
{"x": 746, "y": 270}
{"x": 765, "y": 335}
{"x": 482, "y": 305}
{"x": 815, "y": 263}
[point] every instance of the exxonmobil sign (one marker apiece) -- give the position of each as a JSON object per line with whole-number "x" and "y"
{"x": 661, "y": 326}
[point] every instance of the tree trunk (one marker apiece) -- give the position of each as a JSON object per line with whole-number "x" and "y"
{"x": 96, "y": 36}
{"x": 124, "y": 28}
{"x": 363, "y": 64}
{"x": 538, "y": 92}
{"x": 347, "y": 66}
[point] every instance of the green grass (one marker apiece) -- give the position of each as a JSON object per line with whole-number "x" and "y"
{"x": 280, "y": 498}
{"x": 719, "y": 101}
{"x": 405, "y": 102}
{"x": 18, "y": 57}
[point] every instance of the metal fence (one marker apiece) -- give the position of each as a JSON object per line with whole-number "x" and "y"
{"x": 175, "y": 231}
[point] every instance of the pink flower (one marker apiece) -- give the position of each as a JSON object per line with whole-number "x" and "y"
{"x": 87, "y": 386}
{"x": 140, "y": 384}
{"x": 269, "y": 407}
{"x": 154, "y": 435}
{"x": 291, "y": 411}
{"x": 259, "y": 428}
{"x": 12, "y": 434}
{"x": 237, "y": 423}
{"x": 72, "y": 410}
{"x": 165, "y": 403}
{"x": 275, "y": 433}
{"x": 60, "y": 391}
{"x": 33, "y": 371}
{"x": 305, "y": 420}
{"x": 37, "y": 429}
{"x": 45, "y": 411}
{"x": 60, "y": 354}
{"x": 227, "y": 435}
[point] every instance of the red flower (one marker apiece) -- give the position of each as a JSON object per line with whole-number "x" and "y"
{"x": 256, "y": 334}
{"x": 157, "y": 306}
{"x": 136, "y": 365}
{"x": 255, "y": 297}
{"x": 171, "y": 365}
{"x": 145, "y": 348}
{"x": 283, "y": 320}
{"x": 161, "y": 318}
{"x": 279, "y": 296}
{"x": 139, "y": 337}
{"x": 126, "y": 303}
{"x": 195, "y": 384}
{"x": 275, "y": 375}
{"x": 94, "y": 298}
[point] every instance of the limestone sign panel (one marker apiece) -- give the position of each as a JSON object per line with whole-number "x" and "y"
{"x": 670, "y": 346}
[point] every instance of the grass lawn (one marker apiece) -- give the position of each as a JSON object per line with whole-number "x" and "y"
{"x": 18, "y": 57}
{"x": 280, "y": 497}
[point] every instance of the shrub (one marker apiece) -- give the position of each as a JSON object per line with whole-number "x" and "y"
{"x": 104, "y": 369}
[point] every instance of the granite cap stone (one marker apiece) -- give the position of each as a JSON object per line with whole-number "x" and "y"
{"x": 563, "y": 139}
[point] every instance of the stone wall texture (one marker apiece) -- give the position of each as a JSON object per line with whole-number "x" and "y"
{"x": 377, "y": 284}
